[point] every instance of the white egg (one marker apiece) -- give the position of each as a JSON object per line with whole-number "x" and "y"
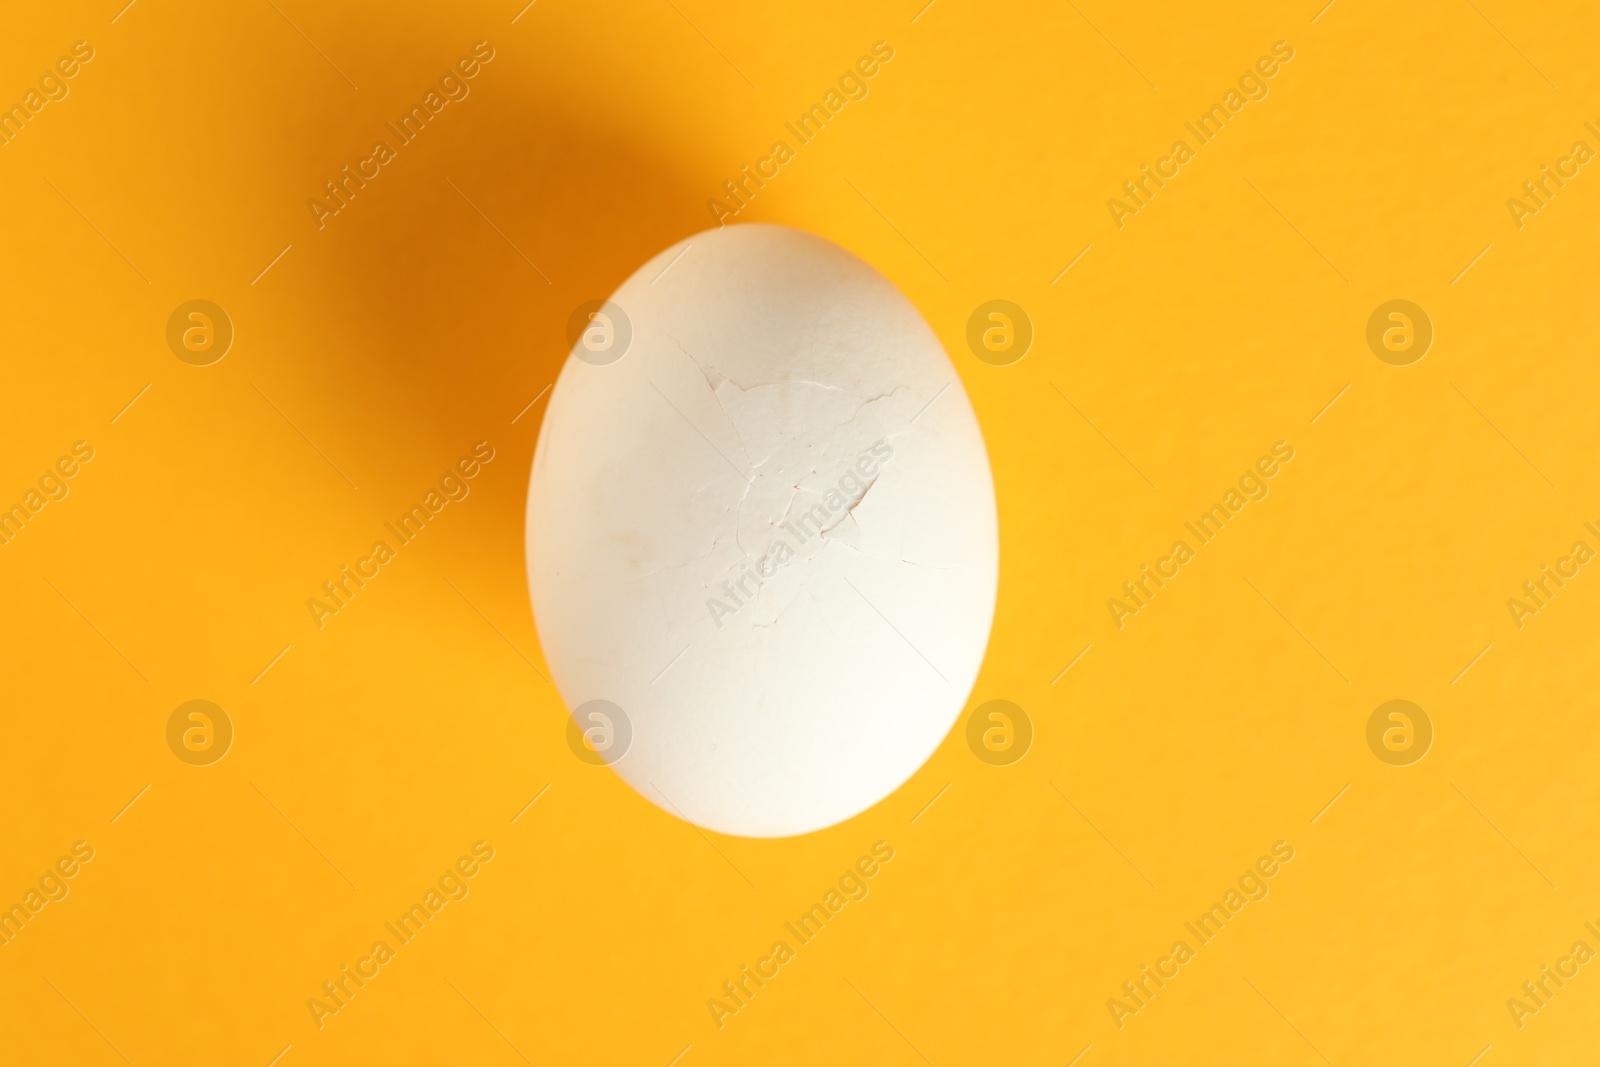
{"x": 761, "y": 527}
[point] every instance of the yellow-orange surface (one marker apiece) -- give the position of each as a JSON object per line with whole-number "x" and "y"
{"x": 1173, "y": 746}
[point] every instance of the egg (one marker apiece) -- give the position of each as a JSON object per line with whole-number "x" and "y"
{"x": 761, "y": 533}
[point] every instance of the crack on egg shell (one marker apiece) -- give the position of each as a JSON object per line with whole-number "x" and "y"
{"x": 781, "y": 405}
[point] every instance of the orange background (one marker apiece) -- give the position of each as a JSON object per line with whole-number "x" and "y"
{"x": 1223, "y": 317}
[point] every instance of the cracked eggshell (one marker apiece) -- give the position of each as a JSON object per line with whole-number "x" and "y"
{"x": 767, "y": 532}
